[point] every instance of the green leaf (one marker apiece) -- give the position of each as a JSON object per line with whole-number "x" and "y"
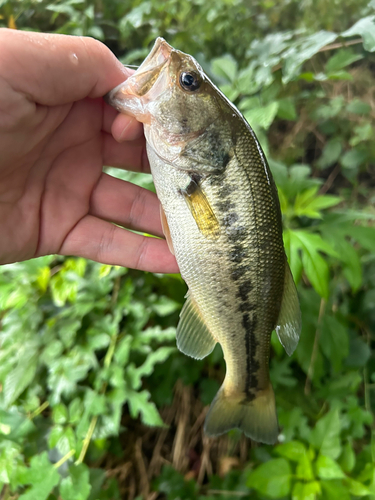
{"x": 262, "y": 116}
{"x": 60, "y": 414}
{"x": 358, "y": 107}
{"x": 365, "y": 28}
{"x": 75, "y": 411}
{"x": 353, "y": 159}
{"x": 292, "y": 249}
{"x": 364, "y": 235}
{"x": 165, "y": 306}
{"x": 325, "y": 437}
{"x": 334, "y": 489}
{"x": 42, "y": 476}
{"x": 341, "y": 59}
{"x": 55, "y": 435}
{"x": 158, "y": 356}
{"x": 363, "y": 133}
{"x": 347, "y": 458}
{"x": 287, "y": 109}
{"x": 301, "y": 52}
{"x": 20, "y": 377}
{"x": 304, "y": 468}
{"x": 334, "y": 341}
{"x": 327, "y": 468}
{"x": 139, "y": 404}
{"x": 306, "y": 491}
{"x": 340, "y": 75}
{"x": 77, "y": 485}
{"x": 330, "y": 154}
{"x": 136, "y": 16}
{"x": 271, "y": 478}
{"x": 225, "y": 68}
{"x": 294, "y": 450}
{"x": 316, "y": 268}
{"x": 359, "y": 353}
{"x": 356, "y": 488}
{"x": 308, "y": 204}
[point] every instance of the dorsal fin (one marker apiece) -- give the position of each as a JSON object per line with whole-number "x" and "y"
{"x": 193, "y": 336}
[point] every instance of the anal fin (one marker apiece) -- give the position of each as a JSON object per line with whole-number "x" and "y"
{"x": 193, "y": 336}
{"x": 288, "y": 327}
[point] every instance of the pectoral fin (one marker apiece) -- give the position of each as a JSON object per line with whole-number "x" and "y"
{"x": 201, "y": 210}
{"x": 288, "y": 326}
{"x": 193, "y": 336}
{"x": 166, "y": 231}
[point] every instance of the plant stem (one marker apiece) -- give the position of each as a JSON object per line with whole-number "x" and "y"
{"x": 39, "y": 410}
{"x": 64, "y": 459}
{"x": 87, "y": 440}
{"x": 310, "y": 371}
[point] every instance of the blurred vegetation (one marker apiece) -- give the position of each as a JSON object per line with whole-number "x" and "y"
{"x": 95, "y": 400}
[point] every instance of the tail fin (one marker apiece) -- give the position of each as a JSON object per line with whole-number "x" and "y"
{"x": 256, "y": 418}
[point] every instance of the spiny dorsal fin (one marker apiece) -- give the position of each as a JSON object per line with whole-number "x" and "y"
{"x": 166, "y": 231}
{"x": 288, "y": 326}
{"x": 201, "y": 210}
{"x": 193, "y": 336}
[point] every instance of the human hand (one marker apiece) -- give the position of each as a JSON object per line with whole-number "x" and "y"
{"x": 55, "y": 137}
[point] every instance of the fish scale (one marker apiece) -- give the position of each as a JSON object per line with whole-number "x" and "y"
{"x": 222, "y": 220}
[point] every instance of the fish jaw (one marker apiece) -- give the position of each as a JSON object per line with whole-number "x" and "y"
{"x": 133, "y": 96}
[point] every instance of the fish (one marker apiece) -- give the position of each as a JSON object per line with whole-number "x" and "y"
{"x": 221, "y": 218}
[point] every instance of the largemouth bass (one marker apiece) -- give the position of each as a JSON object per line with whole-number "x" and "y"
{"x": 221, "y": 218}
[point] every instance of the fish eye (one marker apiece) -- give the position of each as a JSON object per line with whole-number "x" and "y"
{"x": 190, "y": 81}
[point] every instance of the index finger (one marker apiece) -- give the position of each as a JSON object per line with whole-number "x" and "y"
{"x": 54, "y": 69}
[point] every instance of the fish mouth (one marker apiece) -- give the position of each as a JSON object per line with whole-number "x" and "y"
{"x": 129, "y": 96}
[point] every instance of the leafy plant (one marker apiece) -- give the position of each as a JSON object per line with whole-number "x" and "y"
{"x": 88, "y": 363}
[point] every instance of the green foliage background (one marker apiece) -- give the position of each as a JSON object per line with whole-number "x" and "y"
{"x": 88, "y": 353}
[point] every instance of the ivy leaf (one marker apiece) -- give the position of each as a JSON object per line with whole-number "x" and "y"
{"x": 77, "y": 485}
{"x": 42, "y": 476}
{"x": 271, "y": 478}
{"x": 304, "y": 50}
{"x": 139, "y": 404}
{"x": 60, "y": 414}
{"x": 225, "y": 68}
{"x": 262, "y": 116}
{"x": 20, "y": 377}
{"x": 365, "y": 27}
